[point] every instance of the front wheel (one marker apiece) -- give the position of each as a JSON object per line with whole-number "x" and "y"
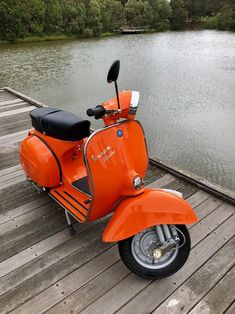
{"x": 156, "y": 252}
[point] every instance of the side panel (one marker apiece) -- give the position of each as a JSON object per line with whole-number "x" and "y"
{"x": 114, "y": 156}
{"x": 153, "y": 207}
{"x": 38, "y": 162}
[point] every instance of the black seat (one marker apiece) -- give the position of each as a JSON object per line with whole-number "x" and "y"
{"x": 60, "y": 124}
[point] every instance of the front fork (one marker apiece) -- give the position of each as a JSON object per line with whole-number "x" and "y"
{"x": 168, "y": 240}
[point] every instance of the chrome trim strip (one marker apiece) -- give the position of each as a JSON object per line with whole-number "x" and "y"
{"x": 145, "y": 145}
{"x": 81, "y": 191}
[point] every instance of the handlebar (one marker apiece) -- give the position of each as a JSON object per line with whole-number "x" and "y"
{"x": 98, "y": 112}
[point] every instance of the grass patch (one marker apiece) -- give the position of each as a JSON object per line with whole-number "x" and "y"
{"x": 43, "y": 38}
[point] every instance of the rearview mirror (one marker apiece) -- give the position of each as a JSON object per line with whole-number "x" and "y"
{"x": 113, "y": 72}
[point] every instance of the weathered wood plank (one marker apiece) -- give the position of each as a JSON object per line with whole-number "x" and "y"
{"x": 152, "y": 295}
{"x": 11, "y": 175}
{"x": 24, "y": 97}
{"x": 29, "y": 234}
{"x": 10, "y": 102}
{"x": 10, "y": 125}
{"x": 9, "y": 170}
{"x": 9, "y": 155}
{"x": 91, "y": 290}
{"x": 21, "y": 210}
{"x": 39, "y": 276}
{"x": 18, "y": 179}
{"x": 11, "y": 178}
{"x": 13, "y": 107}
{"x": 75, "y": 280}
{"x": 27, "y": 218}
{"x": 208, "y": 206}
{"x": 166, "y": 179}
{"x": 17, "y": 195}
{"x": 197, "y": 286}
{"x": 217, "y": 300}
{"x": 231, "y": 309}
{"x": 13, "y": 137}
{"x": 17, "y": 105}
{"x": 60, "y": 297}
{"x": 175, "y": 185}
{"x": 4, "y": 95}
{"x": 153, "y": 174}
{"x": 40, "y": 248}
{"x": 208, "y": 224}
{"x": 42, "y": 263}
{"x": 188, "y": 190}
{"x": 16, "y": 111}
{"x": 198, "y": 198}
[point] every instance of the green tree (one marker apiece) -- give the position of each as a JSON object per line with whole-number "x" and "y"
{"x": 73, "y": 16}
{"x": 161, "y": 10}
{"x": 94, "y": 26}
{"x": 53, "y": 17}
{"x": 226, "y": 18}
{"x": 112, "y": 15}
{"x": 179, "y": 15}
{"x": 32, "y": 16}
{"x": 138, "y": 13}
{"x": 12, "y": 16}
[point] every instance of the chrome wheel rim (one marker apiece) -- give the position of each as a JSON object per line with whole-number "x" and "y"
{"x": 141, "y": 250}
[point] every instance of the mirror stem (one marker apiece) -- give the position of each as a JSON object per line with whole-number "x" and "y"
{"x": 116, "y": 87}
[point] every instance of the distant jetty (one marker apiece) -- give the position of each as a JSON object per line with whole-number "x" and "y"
{"x": 133, "y": 30}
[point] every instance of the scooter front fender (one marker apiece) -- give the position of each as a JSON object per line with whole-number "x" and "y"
{"x": 152, "y": 207}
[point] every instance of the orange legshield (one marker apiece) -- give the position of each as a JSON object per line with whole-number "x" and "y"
{"x": 114, "y": 156}
{"x": 153, "y": 207}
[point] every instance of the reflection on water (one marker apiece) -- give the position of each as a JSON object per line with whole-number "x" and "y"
{"x": 186, "y": 81}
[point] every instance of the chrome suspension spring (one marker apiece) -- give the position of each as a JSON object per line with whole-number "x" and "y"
{"x": 177, "y": 231}
{"x": 167, "y": 232}
{"x": 160, "y": 234}
{"x": 174, "y": 231}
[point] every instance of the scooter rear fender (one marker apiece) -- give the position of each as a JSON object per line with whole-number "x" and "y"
{"x": 152, "y": 207}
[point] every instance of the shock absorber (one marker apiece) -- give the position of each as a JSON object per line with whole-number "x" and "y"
{"x": 160, "y": 234}
{"x": 174, "y": 232}
{"x": 167, "y": 232}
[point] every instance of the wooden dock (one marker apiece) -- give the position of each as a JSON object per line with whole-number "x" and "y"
{"x": 127, "y": 30}
{"x": 44, "y": 270}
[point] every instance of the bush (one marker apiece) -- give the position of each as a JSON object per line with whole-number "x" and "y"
{"x": 211, "y": 22}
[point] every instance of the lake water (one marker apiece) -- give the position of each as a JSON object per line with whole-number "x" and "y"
{"x": 186, "y": 81}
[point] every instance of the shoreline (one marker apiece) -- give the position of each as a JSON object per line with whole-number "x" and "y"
{"x": 46, "y": 38}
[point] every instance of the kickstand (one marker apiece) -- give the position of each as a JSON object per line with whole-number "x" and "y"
{"x": 70, "y": 226}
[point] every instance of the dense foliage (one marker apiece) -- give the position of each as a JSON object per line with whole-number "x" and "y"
{"x": 26, "y": 18}
{"x": 218, "y": 14}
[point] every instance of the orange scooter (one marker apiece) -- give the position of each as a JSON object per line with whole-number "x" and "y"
{"x": 93, "y": 174}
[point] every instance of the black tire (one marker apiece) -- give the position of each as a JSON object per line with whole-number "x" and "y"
{"x": 125, "y": 251}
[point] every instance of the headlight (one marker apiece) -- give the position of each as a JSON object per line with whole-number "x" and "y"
{"x": 138, "y": 183}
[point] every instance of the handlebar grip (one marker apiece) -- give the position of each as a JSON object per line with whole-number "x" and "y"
{"x": 98, "y": 112}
